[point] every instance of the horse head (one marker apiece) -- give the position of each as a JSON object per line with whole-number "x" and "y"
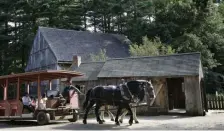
{"x": 149, "y": 89}
{"x": 139, "y": 87}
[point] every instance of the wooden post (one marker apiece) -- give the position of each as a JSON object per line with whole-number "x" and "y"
{"x": 50, "y": 84}
{"x": 38, "y": 91}
{"x": 6, "y": 89}
{"x": 28, "y": 88}
{"x": 193, "y": 96}
{"x": 18, "y": 88}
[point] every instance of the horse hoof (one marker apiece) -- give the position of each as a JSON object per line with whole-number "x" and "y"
{"x": 136, "y": 122}
{"x": 117, "y": 123}
{"x": 100, "y": 122}
{"x": 84, "y": 122}
{"x": 130, "y": 123}
{"x": 112, "y": 119}
{"x": 120, "y": 121}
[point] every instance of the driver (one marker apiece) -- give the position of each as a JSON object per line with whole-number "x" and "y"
{"x": 69, "y": 87}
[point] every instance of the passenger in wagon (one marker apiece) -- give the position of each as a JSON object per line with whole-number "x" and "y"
{"x": 42, "y": 102}
{"x": 44, "y": 97}
{"x": 27, "y": 103}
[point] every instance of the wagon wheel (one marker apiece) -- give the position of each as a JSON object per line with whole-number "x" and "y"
{"x": 75, "y": 117}
{"x": 43, "y": 118}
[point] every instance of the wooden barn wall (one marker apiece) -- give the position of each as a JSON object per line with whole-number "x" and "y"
{"x": 161, "y": 101}
{"x": 193, "y": 95}
{"x": 41, "y": 57}
{"x": 191, "y": 87}
{"x": 161, "y": 92}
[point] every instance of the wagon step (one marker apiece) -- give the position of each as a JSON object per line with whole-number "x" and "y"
{"x": 62, "y": 107}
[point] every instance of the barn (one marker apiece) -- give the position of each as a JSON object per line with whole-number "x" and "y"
{"x": 54, "y": 48}
{"x": 177, "y": 78}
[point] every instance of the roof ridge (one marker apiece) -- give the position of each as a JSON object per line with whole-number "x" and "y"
{"x": 81, "y": 31}
{"x": 89, "y": 62}
{"x": 137, "y": 57}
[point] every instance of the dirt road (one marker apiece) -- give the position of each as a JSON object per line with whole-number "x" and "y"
{"x": 210, "y": 121}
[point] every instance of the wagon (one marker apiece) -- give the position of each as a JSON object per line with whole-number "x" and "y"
{"x": 12, "y": 109}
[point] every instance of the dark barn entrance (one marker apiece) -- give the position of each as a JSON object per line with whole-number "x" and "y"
{"x": 176, "y": 94}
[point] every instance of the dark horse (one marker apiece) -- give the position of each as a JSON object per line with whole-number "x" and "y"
{"x": 120, "y": 96}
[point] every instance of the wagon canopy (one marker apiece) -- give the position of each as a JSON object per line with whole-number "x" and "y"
{"x": 43, "y": 75}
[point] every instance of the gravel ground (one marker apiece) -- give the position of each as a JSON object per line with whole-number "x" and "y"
{"x": 214, "y": 120}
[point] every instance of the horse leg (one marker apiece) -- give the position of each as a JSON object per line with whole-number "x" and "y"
{"x": 117, "y": 115}
{"x": 134, "y": 115}
{"x": 131, "y": 114}
{"x": 111, "y": 115}
{"x": 102, "y": 116}
{"x": 87, "y": 111}
{"x": 97, "y": 113}
{"x": 123, "y": 115}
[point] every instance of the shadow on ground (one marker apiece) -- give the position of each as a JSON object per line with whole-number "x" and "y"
{"x": 164, "y": 117}
{"x": 16, "y": 124}
{"x": 91, "y": 126}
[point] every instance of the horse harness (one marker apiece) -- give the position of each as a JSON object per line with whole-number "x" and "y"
{"x": 124, "y": 90}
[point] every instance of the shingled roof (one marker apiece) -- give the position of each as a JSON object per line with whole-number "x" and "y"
{"x": 186, "y": 64}
{"x": 67, "y": 43}
{"x": 91, "y": 70}
{"x": 177, "y": 65}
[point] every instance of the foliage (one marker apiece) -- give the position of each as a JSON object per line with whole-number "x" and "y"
{"x": 180, "y": 25}
{"x": 101, "y": 56}
{"x": 150, "y": 48}
{"x": 214, "y": 82}
{"x": 192, "y": 43}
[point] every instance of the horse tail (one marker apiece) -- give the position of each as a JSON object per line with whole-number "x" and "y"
{"x": 87, "y": 99}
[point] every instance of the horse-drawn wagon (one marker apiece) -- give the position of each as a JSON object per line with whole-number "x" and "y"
{"x": 55, "y": 108}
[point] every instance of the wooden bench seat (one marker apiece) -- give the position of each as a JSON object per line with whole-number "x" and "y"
{"x": 4, "y": 108}
{"x": 16, "y": 107}
{"x": 52, "y": 103}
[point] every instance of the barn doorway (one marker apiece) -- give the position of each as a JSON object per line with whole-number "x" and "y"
{"x": 176, "y": 95}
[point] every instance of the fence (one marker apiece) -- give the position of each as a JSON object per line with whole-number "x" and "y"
{"x": 215, "y": 102}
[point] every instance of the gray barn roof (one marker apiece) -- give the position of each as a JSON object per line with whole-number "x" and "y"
{"x": 185, "y": 64}
{"x": 67, "y": 43}
{"x": 90, "y": 70}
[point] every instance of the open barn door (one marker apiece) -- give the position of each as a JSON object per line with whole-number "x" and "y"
{"x": 176, "y": 94}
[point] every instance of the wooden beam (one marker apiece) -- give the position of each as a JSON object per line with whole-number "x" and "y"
{"x": 18, "y": 88}
{"x": 28, "y": 88}
{"x": 6, "y": 89}
{"x": 38, "y": 91}
{"x": 156, "y": 94}
{"x": 50, "y": 84}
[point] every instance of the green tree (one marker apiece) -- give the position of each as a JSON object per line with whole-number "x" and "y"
{"x": 101, "y": 56}
{"x": 193, "y": 43}
{"x": 150, "y": 48}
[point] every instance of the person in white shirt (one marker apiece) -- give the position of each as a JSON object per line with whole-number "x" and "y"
{"x": 27, "y": 102}
{"x": 44, "y": 97}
